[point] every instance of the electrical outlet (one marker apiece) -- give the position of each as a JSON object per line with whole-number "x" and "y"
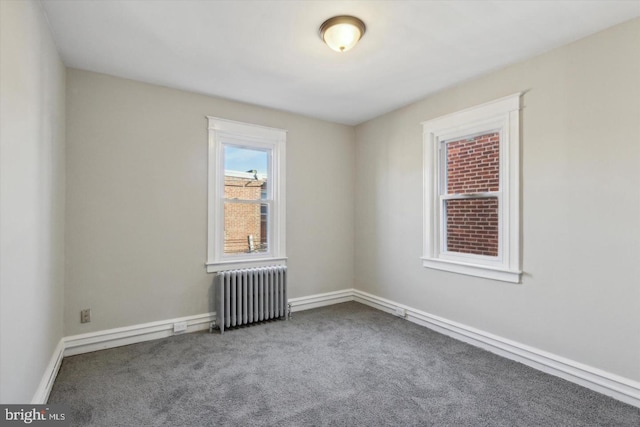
{"x": 400, "y": 312}
{"x": 179, "y": 327}
{"x": 85, "y": 315}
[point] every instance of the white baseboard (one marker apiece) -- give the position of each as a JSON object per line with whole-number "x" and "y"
{"x": 100, "y": 340}
{"x": 612, "y": 385}
{"x": 48, "y": 378}
{"x": 320, "y": 300}
{"x": 110, "y": 338}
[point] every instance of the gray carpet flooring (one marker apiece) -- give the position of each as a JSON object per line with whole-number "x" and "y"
{"x": 343, "y": 365}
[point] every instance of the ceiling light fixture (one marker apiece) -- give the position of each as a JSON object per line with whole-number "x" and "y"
{"x": 341, "y": 33}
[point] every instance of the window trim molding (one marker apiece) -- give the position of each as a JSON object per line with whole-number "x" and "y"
{"x": 219, "y": 131}
{"x": 502, "y": 115}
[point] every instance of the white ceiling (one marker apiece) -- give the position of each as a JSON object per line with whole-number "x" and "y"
{"x": 269, "y": 53}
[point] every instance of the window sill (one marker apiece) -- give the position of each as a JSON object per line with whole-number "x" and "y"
{"x": 475, "y": 270}
{"x": 213, "y": 267}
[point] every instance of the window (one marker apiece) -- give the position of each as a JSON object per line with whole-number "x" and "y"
{"x": 472, "y": 191}
{"x": 246, "y": 195}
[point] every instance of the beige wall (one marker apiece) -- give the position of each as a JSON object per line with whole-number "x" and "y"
{"x": 137, "y": 201}
{"x": 580, "y": 296}
{"x": 32, "y": 159}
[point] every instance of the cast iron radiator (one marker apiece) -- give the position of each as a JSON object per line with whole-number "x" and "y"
{"x": 250, "y": 295}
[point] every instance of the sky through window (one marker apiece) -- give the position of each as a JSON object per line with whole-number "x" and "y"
{"x": 243, "y": 159}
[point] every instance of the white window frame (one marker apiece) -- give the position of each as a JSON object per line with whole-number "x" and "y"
{"x": 224, "y": 132}
{"x": 502, "y": 116}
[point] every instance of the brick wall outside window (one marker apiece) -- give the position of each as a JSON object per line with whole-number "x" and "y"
{"x": 473, "y": 166}
{"x": 243, "y": 219}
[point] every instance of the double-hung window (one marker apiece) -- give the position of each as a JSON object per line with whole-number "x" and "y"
{"x": 472, "y": 191}
{"x": 246, "y": 195}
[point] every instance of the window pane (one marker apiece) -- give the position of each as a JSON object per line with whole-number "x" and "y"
{"x": 237, "y": 186}
{"x": 472, "y": 226}
{"x": 473, "y": 164}
{"x": 245, "y": 173}
{"x": 245, "y": 227}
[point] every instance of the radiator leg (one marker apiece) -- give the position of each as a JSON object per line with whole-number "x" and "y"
{"x": 213, "y": 325}
{"x": 289, "y": 316}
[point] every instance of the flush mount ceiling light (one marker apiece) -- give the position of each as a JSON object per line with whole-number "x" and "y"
{"x": 341, "y": 33}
